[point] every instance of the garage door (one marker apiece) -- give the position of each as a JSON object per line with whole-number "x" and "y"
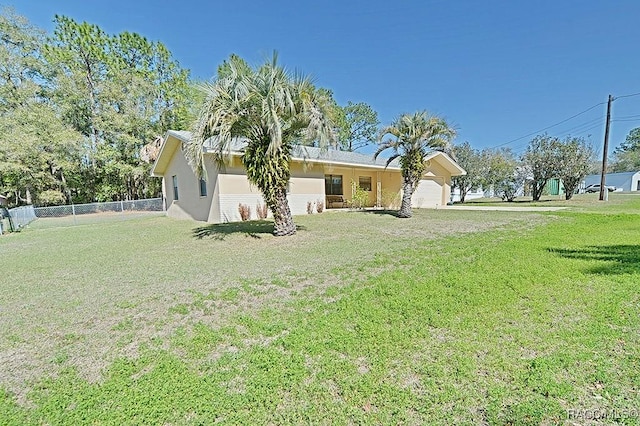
{"x": 428, "y": 194}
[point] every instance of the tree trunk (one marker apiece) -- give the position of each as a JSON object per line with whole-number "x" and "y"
{"x": 463, "y": 194}
{"x": 407, "y": 192}
{"x": 568, "y": 194}
{"x": 536, "y": 189}
{"x": 283, "y": 221}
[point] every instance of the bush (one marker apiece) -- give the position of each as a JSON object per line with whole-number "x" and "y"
{"x": 310, "y": 207}
{"x": 390, "y": 199}
{"x": 51, "y": 197}
{"x": 360, "y": 197}
{"x": 245, "y": 211}
{"x": 262, "y": 211}
{"x": 320, "y": 206}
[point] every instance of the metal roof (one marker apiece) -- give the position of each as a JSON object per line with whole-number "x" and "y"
{"x": 619, "y": 180}
{"x": 319, "y": 155}
{"x": 304, "y": 153}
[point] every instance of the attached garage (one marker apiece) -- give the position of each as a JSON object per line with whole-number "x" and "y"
{"x": 429, "y": 194}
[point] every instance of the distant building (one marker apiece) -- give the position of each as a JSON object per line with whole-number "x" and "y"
{"x": 625, "y": 181}
{"x": 471, "y": 195}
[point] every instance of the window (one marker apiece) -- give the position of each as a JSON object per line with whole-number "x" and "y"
{"x": 203, "y": 187}
{"x": 333, "y": 184}
{"x": 364, "y": 182}
{"x": 175, "y": 187}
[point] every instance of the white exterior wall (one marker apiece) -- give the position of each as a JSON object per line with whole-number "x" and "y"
{"x": 428, "y": 193}
{"x": 434, "y": 189}
{"x": 234, "y": 189}
{"x": 635, "y": 182}
{"x": 190, "y": 205}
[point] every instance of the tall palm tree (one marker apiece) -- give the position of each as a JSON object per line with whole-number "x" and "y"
{"x": 271, "y": 110}
{"x": 411, "y": 137}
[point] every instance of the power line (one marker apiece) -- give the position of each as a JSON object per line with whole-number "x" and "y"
{"x": 521, "y": 148}
{"x": 589, "y": 128}
{"x": 628, "y": 116}
{"x": 625, "y": 119}
{"x": 553, "y": 125}
{"x": 627, "y": 96}
{"x": 581, "y": 126}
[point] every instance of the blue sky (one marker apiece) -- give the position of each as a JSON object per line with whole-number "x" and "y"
{"x": 496, "y": 69}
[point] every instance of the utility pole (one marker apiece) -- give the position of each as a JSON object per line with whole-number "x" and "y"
{"x": 603, "y": 189}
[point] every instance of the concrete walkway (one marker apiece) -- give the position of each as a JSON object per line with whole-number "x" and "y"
{"x": 504, "y": 209}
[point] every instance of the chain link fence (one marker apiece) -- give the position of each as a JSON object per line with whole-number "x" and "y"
{"x": 78, "y": 214}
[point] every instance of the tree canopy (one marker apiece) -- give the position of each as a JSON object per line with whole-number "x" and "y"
{"x": 627, "y": 155}
{"x": 541, "y": 160}
{"x": 473, "y": 161}
{"x": 357, "y": 125}
{"x": 410, "y": 138}
{"x": 77, "y": 106}
{"x": 270, "y": 109}
{"x": 575, "y": 157}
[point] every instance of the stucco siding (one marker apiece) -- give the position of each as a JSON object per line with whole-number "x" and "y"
{"x": 235, "y": 189}
{"x": 189, "y": 205}
{"x": 228, "y": 187}
{"x": 428, "y": 193}
{"x": 391, "y": 189}
{"x": 443, "y": 176}
{"x": 229, "y": 204}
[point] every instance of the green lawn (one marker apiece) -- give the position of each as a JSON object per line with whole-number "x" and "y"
{"x": 619, "y": 202}
{"x": 450, "y": 317}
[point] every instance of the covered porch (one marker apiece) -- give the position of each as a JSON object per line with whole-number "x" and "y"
{"x": 348, "y": 187}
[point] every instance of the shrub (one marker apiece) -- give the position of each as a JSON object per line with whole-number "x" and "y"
{"x": 245, "y": 211}
{"x": 262, "y": 211}
{"x": 360, "y": 196}
{"x": 390, "y": 199}
{"x": 310, "y": 207}
{"x": 320, "y": 206}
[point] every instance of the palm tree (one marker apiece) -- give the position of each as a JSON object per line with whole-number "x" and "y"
{"x": 271, "y": 110}
{"x": 412, "y": 136}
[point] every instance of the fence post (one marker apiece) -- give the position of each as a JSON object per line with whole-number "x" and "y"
{"x": 73, "y": 213}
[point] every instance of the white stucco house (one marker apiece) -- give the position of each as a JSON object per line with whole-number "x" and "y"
{"x": 317, "y": 176}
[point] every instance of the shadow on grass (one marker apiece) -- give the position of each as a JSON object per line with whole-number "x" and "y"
{"x": 253, "y": 228}
{"x": 393, "y": 213}
{"x": 621, "y": 258}
{"x": 506, "y": 203}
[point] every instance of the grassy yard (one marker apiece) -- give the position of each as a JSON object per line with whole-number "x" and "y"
{"x": 619, "y": 202}
{"x": 449, "y": 317}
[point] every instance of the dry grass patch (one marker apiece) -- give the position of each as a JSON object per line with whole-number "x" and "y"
{"x": 83, "y": 296}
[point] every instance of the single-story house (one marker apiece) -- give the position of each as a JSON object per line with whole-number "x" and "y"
{"x": 624, "y": 181}
{"x": 317, "y": 176}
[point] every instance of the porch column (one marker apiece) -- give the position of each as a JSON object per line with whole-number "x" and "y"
{"x": 378, "y": 190}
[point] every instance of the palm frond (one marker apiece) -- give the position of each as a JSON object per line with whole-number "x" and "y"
{"x": 390, "y": 159}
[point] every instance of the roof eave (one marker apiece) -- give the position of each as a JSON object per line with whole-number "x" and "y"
{"x": 449, "y": 163}
{"x": 170, "y": 133}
